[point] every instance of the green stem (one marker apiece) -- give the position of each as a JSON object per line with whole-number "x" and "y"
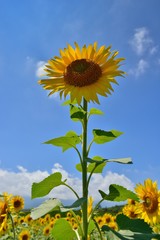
{"x": 65, "y": 184}
{"x": 13, "y": 228}
{"x": 84, "y": 173}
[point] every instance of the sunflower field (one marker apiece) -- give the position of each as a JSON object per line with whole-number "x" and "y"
{"x": 137, "y": 220}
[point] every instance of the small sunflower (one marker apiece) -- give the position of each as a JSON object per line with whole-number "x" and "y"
{"x": 24, "y": 235}
{"x": 17, "y": 203}
{"x": 130, "y": 211}
{"x": 46, "y": 230}
{"x": 82, "y": 73}
{"x": 149, "y": 207}
{"x": 57, "y": 216}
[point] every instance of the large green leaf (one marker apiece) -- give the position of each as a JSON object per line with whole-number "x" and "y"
{"x": 101, "y": 136}
{"x": 63, "y": 230}
{"x": 128, "y": 235}
{"x": 71, "y": 139}
{"x": 46, "y": 207}
{"x": 134, "y": 225}
{"x": 118, "y": 193}
{"x": 42, "y": 188}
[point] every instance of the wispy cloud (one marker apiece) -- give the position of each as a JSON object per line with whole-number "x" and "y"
{"x": 140, "y": 69}
{"x": 142, "y": 41}
{"x": 20, "y": 182}
{"x": 40, "y": 68}
{"x": 143, "y": 45}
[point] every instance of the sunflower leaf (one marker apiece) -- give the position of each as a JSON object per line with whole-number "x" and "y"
{"x": 118, "y": 193}
{"x": 95, "y": 111}
{"x": 134, "y": 225}
{"x": 101, "y": 136}
{"x": 42, "y": 188}
{"x": 120, "y": 160}
{"x": 76, "y": 113}
{"x": 71, "y": 139}
{"x": 63, "y": 228}
{"x": 77, "y": 203}
{"x": 130, "y": 229}
{"x": 46, "y": 207}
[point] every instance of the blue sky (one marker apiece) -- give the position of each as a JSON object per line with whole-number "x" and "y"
{"x": 31, "y": 33}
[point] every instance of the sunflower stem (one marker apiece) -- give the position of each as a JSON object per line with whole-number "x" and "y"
{"x": 12, "y": 223}
{"x": 84, "y": 172}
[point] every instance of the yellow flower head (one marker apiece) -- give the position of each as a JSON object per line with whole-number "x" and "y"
{"x": 149, "y": 207}
{"x": 82, "y": 72}
{"x": 130, "y": 211}
{"x": 17, "y": 203}
{"x": 57, "y": 216}
{"x": 47, "y": 230}
{"x": 4, "y": 209}
{"x": 28, "y": 219}
{"x": 24, "y": 235}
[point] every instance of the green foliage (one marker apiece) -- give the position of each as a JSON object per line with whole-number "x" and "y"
{"x": 95, "y": 111}
{"x": 46, "y": 207}
{"x": 96, "y": 165}
{"x": 121, "y": 160}
{"x": 134, "y": 225}
{"x": 70, "y": 140}
{"x": 77, "y": 203}
{"x": 130, "y": 229}
{"x": 76, "y": 113}
{"x": 101, "y": 136}
{"x": 42, "y": 188}
{"x": 63, "y": 230}
{"x": 118, "y": 193}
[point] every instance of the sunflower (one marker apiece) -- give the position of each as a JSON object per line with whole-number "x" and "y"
{"x": 4, "y": 209}
{"x": 130, "y": 211}
{"x": 47, "y": 230}
{"x": 24, "y": 235}
{"x": 149, "y": 207}
{"x": 17, "y": 203}
{"x": 82, "y": 72}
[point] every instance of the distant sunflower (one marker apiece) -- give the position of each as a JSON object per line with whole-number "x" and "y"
{"x": 24, "y": 235}
{"x": 17, "y": 203}
{"x": 149, "y": 207}
{"x": 130, "y": 211}
{"x": 82, "y": 73}
{"x": 47, "y": 230}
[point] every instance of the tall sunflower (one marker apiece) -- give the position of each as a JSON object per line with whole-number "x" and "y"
{"x": 149, "y": 207}
{"x": 82, "y": 72}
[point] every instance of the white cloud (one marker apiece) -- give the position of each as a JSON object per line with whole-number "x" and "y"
{"x": 19, "y": 183}
{"x": 140, "y": 68}
{"x": 142, "y": 41}
{"x": 40, "y": 68}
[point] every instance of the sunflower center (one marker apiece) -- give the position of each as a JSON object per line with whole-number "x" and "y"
{"x": 25, "y": 237}
{"x": 150, "y": 203}
{"x": 17, "y": 204}
{"x": 82, "y": 72}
